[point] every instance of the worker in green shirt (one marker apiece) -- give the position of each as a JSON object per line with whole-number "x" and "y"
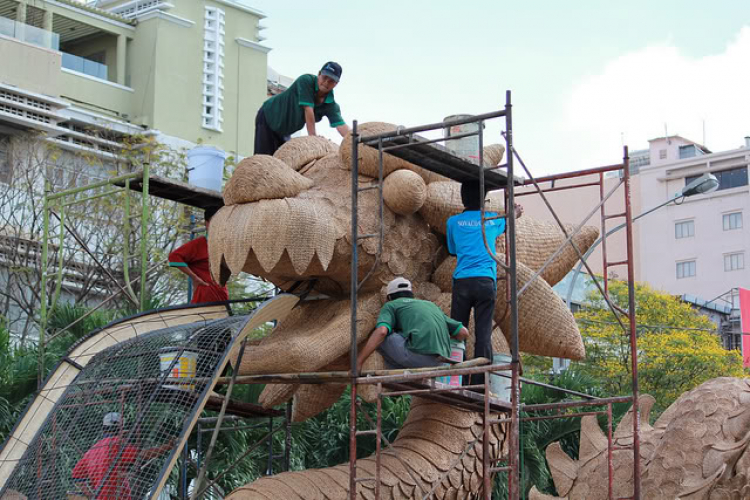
{"x": 411, "y": 333}
{"x": 304, "y": 103}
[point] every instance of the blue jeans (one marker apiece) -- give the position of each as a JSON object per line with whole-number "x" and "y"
{"x": 397, "y": 355}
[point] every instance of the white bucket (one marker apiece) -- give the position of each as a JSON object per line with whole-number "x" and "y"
{"x": 185, "y": 367}
{"x": 206, "y": 167}
{"x": 457, "y": 355}
{"x": 501, "y": 385}
{"x": 467, "y": 147}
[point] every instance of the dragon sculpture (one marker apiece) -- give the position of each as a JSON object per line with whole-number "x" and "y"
{"x": 696, "y": 450}
{"x": 288, "y": 219}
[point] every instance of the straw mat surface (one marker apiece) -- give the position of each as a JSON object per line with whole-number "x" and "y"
{"x": 263, "y": 177}
{"x": 404, "y": 192}
{"x": 411, "y": 467}
{"x": 300, "y": 151}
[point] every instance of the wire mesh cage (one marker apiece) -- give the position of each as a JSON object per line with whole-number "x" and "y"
{"x": 112, "y": 433}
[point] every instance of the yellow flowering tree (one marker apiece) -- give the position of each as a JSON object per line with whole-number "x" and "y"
{"x": 678, "y": 348}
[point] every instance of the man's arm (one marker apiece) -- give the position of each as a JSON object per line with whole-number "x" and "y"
{"x": 309, "y": 120}
{"x": 377, "y": 337}
{"x": 157, "y": 450}
{"x": 343, "y": 129}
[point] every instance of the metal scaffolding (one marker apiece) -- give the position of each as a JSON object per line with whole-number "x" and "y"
{"x": 406, "y": 144}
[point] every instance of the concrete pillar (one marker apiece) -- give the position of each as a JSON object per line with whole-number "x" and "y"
{"x": 52, "y": 42}
{"x": 21, "y": 21}
{"x": 21, "y": 12}
{"x": 122, "y": 45}
{"x": 47, "y": 20}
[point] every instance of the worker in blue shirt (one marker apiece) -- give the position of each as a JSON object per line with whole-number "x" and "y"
{"x": 475, "y": 277}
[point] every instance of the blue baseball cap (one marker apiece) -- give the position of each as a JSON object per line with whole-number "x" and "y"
{"x": 331, "y": 70}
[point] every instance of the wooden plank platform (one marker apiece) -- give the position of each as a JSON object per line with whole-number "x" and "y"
{"x": 439, "y": 159}
{"x": 178, "y": 191}
{"x": 462, "y": 398}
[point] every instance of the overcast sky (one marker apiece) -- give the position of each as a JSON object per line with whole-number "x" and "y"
{"x": 586, "y": 76}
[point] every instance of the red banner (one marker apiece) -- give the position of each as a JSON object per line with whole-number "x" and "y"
{"x": 745, "y": 325}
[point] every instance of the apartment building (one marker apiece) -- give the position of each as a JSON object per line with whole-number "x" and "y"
{"x": 697, "y": 245}
{"x": 693, "y": 246}
{"x": 183, "y": 71}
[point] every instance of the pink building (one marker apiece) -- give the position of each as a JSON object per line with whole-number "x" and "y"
{"x": 694, "y": 246}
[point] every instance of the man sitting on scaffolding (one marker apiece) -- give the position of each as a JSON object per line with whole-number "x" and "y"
{"x": 411, "y": 333}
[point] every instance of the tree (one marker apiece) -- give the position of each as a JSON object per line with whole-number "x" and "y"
{"x": 678, "y": 348}
{"x": 31, "y": 165}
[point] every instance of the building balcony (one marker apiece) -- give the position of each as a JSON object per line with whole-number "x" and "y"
{"x": 29, "y": 34}
{"x": 85, "y": 66}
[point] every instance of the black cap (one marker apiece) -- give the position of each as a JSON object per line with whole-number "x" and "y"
{"x": 332, "y": 70}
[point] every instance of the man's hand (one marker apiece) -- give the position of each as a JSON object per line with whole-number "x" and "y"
{"x": 518, "y": 210}
{"x": 462, "y": 334}
{"x": 199, "y": 282}
{"x": 343, "y": 129}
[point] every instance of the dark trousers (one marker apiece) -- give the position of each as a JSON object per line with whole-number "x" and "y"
{"x": 479, "y": 294}
{"x": 266, "y": 140}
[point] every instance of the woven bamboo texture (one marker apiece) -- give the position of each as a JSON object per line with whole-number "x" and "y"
{"x": 300, "y": 151}
{"x": 444, "y": 201}
{"x": 369, "y": 156}
{"x": 493, "y": 154}
{"x": 412, "y": 466}
{"x": 310, "y": 236}
{"x": 404, "y": 192}
{"x": 697, "y": 449}
{"x": 263, "y": 177}
{"x": 311, "y": 337}
{"x": 545, "y": 326}
{"x": 537, "y": 241}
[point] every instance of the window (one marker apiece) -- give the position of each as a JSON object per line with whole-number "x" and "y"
{"x": 732, "y": 221}
{"x": 687, "y": 151}
{"x": 732, "y": 178}
{"x": 662, "y": 154}
{"x": 685, "y": 269}
{"x": 6, "y": 167}
{"x": 684, "y": 229}
{"x": 734, "y": 261}
{"x": 213, "y": 69}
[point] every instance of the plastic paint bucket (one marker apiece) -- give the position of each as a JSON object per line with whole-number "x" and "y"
{"x": 466, "y": 147}
{"x": 206, "y": 167}
{"x": 457, "y": 355}
{"x": 185, "y": 367}
{"x": 501, "y": 385}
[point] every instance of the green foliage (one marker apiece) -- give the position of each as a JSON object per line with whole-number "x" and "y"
{"x": 678, "y": 348}
{"x": 536, "y": 435}
{"x": 324, "y": 439}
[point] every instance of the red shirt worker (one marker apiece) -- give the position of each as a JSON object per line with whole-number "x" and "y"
{"x": 192, "y": 260}
{"x": 103, "y": 470}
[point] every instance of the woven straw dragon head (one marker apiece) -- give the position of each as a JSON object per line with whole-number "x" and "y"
{"x": 288, "y": 219}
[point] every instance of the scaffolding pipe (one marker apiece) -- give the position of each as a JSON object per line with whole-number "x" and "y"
{"x": 633, "y": 332}
{"x": 144, "y": 233}
{"x": 354, "y": 285}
